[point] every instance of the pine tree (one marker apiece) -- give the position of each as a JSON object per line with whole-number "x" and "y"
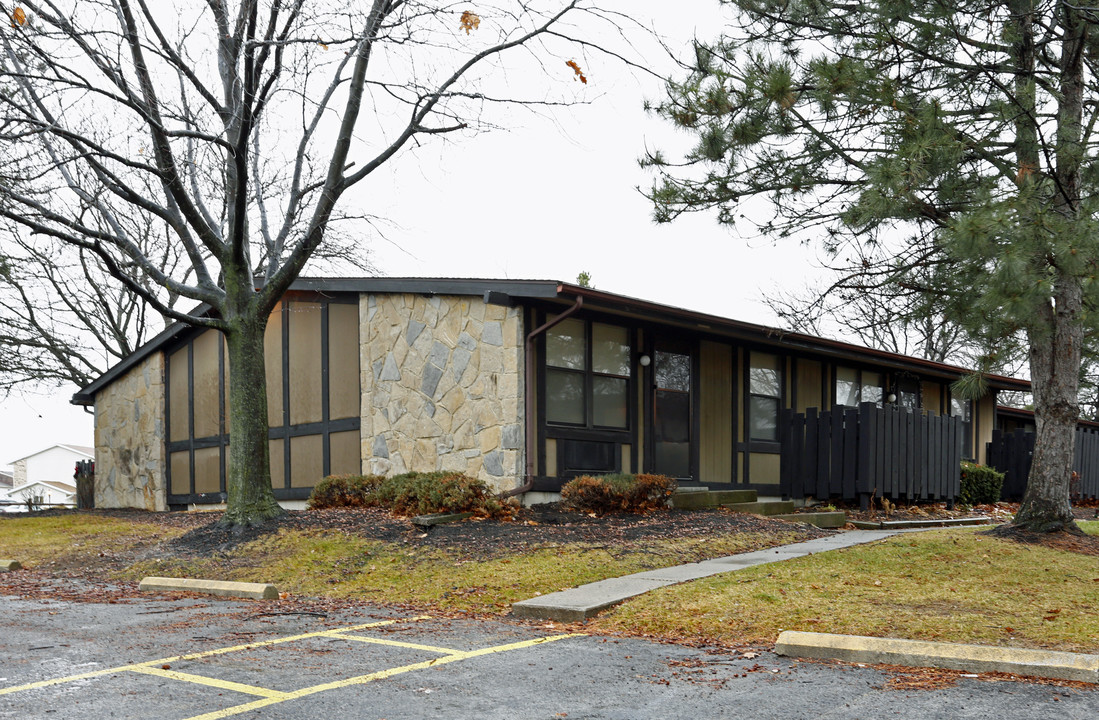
{"x": 945, "y": 140}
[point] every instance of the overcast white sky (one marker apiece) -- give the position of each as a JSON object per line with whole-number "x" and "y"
{"x": 547, "y": 198}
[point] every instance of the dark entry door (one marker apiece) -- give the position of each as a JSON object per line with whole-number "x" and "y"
{"x": 671, "y": 430}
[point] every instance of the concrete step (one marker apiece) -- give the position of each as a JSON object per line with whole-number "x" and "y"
{"x": 767, "y": 507}
{"x": 820, "y": 519}
{"x": 711, "y": 499}
{"x": 683, "y": 489}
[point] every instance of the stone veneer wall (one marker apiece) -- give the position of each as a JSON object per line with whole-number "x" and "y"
{"x": 129, "y": 439}
{"x": 442, "y": 384}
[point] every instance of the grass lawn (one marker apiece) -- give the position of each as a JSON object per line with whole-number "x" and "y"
{"x": 956, "y": 585}
{"x": 332, "y": 565}
{"x": 952, "y": 585}
{"x": 74, "y": 538}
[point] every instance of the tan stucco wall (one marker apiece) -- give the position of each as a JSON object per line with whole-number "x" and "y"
{"x": 129, "y": 439}
{"x": 442, "y": 387}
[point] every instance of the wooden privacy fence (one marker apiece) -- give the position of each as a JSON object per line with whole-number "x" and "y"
{"x": 857, "y": 453}
{"x": 1012, "y": 452}
{"x": 84, "y": 474}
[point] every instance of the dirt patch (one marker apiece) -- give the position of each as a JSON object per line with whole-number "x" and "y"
{"x": 1065, "y": 541}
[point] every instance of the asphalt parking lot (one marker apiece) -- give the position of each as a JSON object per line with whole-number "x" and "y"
{"x": 205, "y": 658}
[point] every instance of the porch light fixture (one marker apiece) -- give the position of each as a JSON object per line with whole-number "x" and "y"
{"x": 892, "y": 398}
{"x": 645, "y": 360}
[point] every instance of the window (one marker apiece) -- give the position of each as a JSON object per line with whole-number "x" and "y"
{"x": 857, "y": 386}
{"x": 963, "y": 410}
{"x": 587, "y": 375}
{"x": 764, "y": 396}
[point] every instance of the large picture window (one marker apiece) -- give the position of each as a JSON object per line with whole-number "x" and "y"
{"x": 588, "y": 375}
{"x": 764, "y": 395}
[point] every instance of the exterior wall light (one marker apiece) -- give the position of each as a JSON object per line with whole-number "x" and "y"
{"x": 645, "y": 360}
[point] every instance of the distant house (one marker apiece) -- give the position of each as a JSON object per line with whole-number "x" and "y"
{"x": 523, "y": 383}
{"x": 46, "y": 475}
{"x": 7, "y": 480}
{"x": 40, "y": 495}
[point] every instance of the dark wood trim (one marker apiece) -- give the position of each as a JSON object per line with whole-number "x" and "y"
{"x": 284, "y": 345}
{"x": 734, "y": 475}
{"x": 223, "y": 431}
{"x": 695, "y": 463}
{"x": 326, "y": 453}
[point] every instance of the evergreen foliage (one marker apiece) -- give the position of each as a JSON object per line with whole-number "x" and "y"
{"x": 981, "y": 485}
{"x": 949, "y": 147}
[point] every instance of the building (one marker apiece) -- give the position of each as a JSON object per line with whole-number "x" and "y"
{"x": 523, "y": 383}
{"x": 45, "y": 477}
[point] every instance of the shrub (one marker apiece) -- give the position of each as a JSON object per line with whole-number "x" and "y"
{"x": 619, "y": 492}
{"x": 437, "y": 492}
{"x": 344, "y": 491}
{"x": 980, "y": 485}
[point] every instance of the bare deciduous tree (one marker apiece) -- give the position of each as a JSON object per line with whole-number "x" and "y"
{"x": 234, "y": 129}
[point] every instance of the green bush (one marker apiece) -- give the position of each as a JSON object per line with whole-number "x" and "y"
{"x": 344, "y": 491}
{"x": 619, "y": 492}
{"x": 438, "y": 492}
{"x": 980, "y": 485}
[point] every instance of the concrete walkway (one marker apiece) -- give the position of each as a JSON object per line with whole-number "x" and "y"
{"x": 581, "y": 603}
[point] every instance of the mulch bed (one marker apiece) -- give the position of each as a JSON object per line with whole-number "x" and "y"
{"x": 484, "y": 539}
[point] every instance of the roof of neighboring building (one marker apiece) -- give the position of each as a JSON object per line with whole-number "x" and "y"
{"x": 1028, "y": 415}
{"x": 78, "y": 449}
{"x": 54, "y": 484}
{"x": 514, "y": 292}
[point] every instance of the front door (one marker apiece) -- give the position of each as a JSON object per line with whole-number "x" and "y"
{"x": 671, "y": 404}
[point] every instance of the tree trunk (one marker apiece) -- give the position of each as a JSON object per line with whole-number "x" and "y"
{"x": 1054, "y": 372}
{"x": 251, "y": 500}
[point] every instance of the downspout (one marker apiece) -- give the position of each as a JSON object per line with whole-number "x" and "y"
{"x": 530, "y": 430}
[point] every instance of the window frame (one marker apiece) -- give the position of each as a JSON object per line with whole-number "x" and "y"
{"x": 588, "y": 428}
{"x": 757, "y": 444}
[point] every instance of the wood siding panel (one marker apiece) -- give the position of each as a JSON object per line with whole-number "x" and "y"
{"x": 278, "y": 464}
{"x": 305, "y": 364}
{"x": 272, "y": 359}
{"x": 207, "y": 387}
{"x": 765, "y": 469}
{"x": 933, "y": 398}
{"x": 984, "y": 422}
{"x": 306, "y": 460}
{"x": 716, "y": 406}
{"x": 208, "y": 470}
{"x": 809, "y": 379}
{"x": 343, "y": 362}
{"x": 344, "y": 453}
{"x": 181, "y": 472}
{"x": 178, "y": 402}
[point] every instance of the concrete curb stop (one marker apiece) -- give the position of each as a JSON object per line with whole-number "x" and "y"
{"x": 221, "y": 588}
{"x": 9, "y": 565}
{"x": 951, "y": 656}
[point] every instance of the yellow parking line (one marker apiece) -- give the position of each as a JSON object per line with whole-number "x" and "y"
{"x": 398, "y": 643}
{"x": 200, "y": 655}
{"x": 212, "y": 682}
{"x": 380, "y": 675}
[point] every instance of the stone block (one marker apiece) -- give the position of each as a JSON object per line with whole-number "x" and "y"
{"x": 492, "y": 334}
